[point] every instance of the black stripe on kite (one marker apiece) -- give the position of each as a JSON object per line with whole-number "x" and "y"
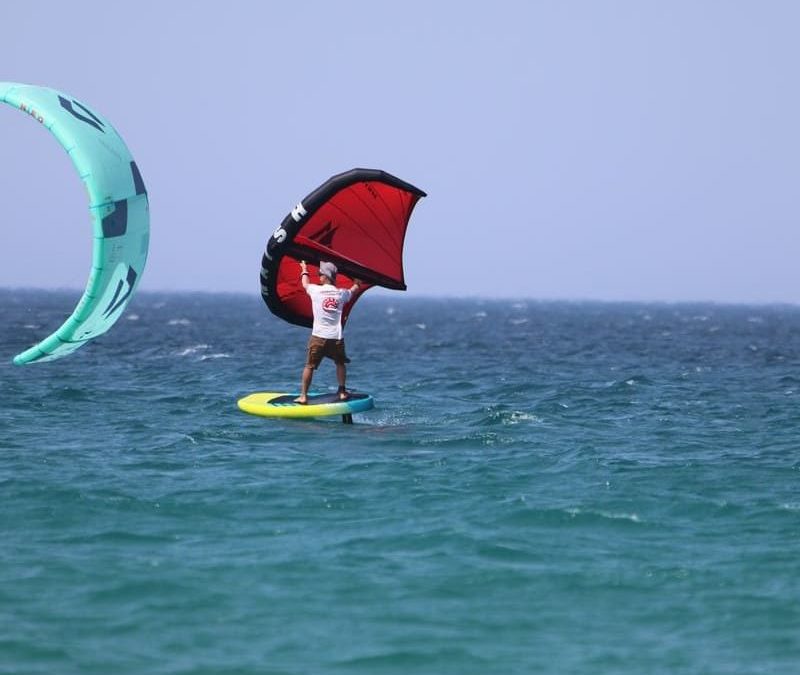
{"x": 115, "y": 303}
{"x": 138, "y": 183}
{"x": 93, "y": 120}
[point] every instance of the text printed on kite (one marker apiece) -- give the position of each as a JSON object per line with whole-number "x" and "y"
{"x": 119, "y": 209}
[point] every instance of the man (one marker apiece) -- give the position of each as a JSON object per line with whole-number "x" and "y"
{"x": 327, "y": 303}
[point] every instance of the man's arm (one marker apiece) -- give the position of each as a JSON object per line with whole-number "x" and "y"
{"x": 304, "y": 274}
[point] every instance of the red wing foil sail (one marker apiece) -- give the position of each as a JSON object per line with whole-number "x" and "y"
{"x": 358, "y": 221}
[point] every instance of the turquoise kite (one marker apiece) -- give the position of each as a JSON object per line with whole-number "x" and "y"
{"x": 118, "y": 206}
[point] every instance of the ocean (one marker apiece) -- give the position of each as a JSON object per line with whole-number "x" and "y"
{"x": 542, "y": 487}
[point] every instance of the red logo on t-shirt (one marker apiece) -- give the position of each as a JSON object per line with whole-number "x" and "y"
{"x": 330, "y": 304}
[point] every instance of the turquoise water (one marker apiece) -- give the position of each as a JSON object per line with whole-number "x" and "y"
{"x": 541, "y": 488}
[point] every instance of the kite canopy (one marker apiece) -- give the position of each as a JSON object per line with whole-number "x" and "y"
{"x": 118, "y": 205}
{"x": 358, "y": 221}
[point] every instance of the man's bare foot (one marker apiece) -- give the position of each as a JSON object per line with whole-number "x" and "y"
{"x": 302, "y": 400}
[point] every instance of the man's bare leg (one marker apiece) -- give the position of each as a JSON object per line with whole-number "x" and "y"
{"x": 305, "y": 383}
{"x": 341, "y": 376}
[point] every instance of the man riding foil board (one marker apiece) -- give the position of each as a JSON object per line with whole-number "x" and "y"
{"x": 327, "y": 302}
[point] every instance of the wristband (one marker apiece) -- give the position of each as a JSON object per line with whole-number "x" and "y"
{"x": 304, "y": 274}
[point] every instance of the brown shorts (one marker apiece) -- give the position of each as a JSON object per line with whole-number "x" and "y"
{"x": 319, "y": 347}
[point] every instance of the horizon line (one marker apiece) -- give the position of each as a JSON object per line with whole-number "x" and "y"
{"x": 405, "y": 295}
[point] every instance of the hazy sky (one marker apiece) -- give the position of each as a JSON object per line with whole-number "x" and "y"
{"x": 621, "y": 150}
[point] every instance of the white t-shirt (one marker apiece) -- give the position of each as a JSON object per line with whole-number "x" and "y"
{"x": 327, "y": 303}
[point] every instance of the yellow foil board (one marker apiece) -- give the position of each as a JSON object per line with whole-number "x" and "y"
{"x": 277, "y": 404}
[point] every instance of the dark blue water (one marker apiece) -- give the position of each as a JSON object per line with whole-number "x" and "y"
{"x": 542, "y": 487}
